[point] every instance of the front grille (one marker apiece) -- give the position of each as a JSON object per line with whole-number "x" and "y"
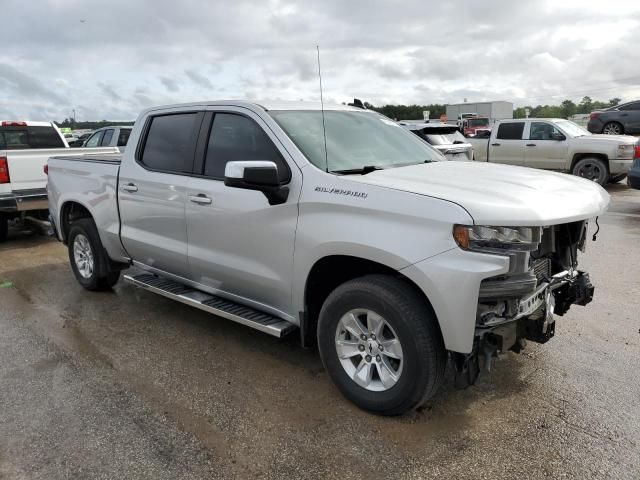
{"x": 542, "y": 268}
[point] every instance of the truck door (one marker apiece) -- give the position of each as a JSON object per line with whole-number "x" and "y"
{"x": 508, "y": 145}
{"x": 152, "y": 192}
{"x": 546, "y": 148}
{"x": 240, "y": 247}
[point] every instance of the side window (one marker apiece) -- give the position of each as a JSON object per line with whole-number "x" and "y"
{"x": 170, "y": 141}
{"x": 542, "y": 131}
{"x": 510, "y": 131}
{"x": 123, "y": 138}
{"x": 94, "y": 140}
{"x": 630, "y": 106}
{"x": 106, "y": 139}
{"x": 234, "y": 137}
{"x": 16, "y": 139}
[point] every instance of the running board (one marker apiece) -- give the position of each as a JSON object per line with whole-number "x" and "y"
{"x": 210, "y": 303}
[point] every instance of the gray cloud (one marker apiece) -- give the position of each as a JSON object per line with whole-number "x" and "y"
{"x": 15, "y": 82}
{"x": 198, "y": 79}
{"x": 170, "y": 84}
{"x": 110, "y": 91}
{"x": 123, "y": 58}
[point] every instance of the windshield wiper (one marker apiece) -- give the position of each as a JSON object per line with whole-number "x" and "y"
{"x": 358, "y": 171}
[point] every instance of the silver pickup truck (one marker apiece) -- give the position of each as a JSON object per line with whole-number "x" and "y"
{"x": 337, "y": 223}
{"x": 557, "y": 144}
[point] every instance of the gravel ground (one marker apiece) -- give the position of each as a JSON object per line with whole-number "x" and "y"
{"x": 126, "y": 384}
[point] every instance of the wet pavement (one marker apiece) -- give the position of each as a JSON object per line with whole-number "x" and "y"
{"x": 126, "y": 384}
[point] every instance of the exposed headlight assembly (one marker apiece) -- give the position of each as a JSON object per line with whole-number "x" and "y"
{"x": 494, "y": 239}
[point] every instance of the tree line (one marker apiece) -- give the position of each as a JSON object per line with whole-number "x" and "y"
{"x": 414, "y": 112}
{"x": 566, "y": 109}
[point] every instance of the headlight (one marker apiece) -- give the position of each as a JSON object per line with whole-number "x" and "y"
{"x": 483, "y": 238}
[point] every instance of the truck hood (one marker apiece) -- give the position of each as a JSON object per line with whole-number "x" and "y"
{"x": 600, "y": 139}
{"x": 499, "y": 195}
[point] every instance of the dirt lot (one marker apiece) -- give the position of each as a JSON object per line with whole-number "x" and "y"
{"x": 126, "y": 384}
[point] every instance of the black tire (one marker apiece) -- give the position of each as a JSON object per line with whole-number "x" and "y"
{"x": 415, "y": 325}
{"x": 617, "y": 178}
{"x": 613, "y": 128}
{"x": 101, "y": 276}
{"x": 594, "y": 169}
{"x": 4, "y": 227}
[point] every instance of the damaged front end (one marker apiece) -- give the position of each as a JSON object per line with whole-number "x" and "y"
{"x": 542, "y": 281}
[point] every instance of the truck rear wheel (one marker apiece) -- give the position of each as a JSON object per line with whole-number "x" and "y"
{"x": 594, "y": 169}
{"x": 88, "y": 258}
{"x": 381, "y": 345}
{"x": 4, "y": 227}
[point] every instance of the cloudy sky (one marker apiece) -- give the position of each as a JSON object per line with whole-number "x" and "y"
{"x": 108, "y": 60}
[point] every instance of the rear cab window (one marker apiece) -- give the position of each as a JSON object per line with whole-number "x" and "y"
{"x": 510, "y": 131}
{"x": 26, "y": 137}
{"x": 170, "y": 142}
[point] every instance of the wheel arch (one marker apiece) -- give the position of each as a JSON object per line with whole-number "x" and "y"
{"x": 579, "y": 156}
{"x": 69, "y": 211}
{"x": 330, "y": 271}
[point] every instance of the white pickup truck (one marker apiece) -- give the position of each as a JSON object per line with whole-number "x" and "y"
{"x": 336, "y": 222}
{"x": 24, "y": 150}
{"x": 557, "y": 144}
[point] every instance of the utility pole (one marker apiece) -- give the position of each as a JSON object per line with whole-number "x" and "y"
{"x": 74, "y": 118}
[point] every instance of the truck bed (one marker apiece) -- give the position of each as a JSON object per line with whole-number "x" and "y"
{"x": 91, "y": 181}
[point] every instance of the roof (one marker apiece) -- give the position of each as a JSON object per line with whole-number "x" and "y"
{"x": 28, "y": 122}
{"x": 265, "y": 105}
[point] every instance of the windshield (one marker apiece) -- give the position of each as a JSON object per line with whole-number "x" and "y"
{"x": 478, "y": 122}
{"x": 572, "y": 129}
{"x": 354, "y": 139}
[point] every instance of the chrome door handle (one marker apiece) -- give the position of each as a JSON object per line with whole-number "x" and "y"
{"x": 200, "y": 199}
{"x": 130, "y": 187}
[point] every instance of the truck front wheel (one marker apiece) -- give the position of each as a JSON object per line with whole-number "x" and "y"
{"x": 594, "y": 169}
{"x": 380, "y": 343}
{"x": 88, "y": 258}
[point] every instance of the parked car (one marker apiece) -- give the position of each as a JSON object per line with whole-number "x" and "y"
{"x": 109, "y": 137}
{"x": 618, "y": 120}
{"x": 385, "y": 258}
{"x": 24, "y": 150}
{"x": 445, "y": 138}
{"x": 80, "y": 139}
{"x": 557, "y": 144}
{"x": 633, "y": 178}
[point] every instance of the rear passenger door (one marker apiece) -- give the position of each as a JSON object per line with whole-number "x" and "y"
{"x": 240, "y": 247}
{"x": 152, "y": 192}
{"x": 508, "y": 145}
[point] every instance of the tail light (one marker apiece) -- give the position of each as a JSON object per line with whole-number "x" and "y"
{"x": 14, "y": 124}
{"x": 636, "y": 151}
{"x": 593, "y": 115}
{"x": 46, "y": 169}
{"x": 4, "y": 170}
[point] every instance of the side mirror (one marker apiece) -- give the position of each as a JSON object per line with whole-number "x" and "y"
{"x": 258, "y": 175}
{"x": 557, "y": 136}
